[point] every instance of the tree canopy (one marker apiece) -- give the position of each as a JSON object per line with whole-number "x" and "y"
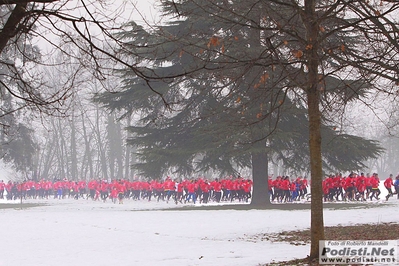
{"x": 220, "y": 89}
{"x": 231, "y": 48}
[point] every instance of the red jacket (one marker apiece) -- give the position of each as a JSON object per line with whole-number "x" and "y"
{"x": 180, "y": 187}
{"x": 292, "y": 186}
{"x": 217, "y": 187}
{"x": 277, "y": 183}
{"x": 146, "y": 186}
{"x": 114, "y": 193}
{"x": 92, "y": 184}
{"x": 169, "y": 185}
{"x": 246, "y": 186}
{"x": 191, "y": 188}
{"x": 285, "y": 184}
{"x": 388, "y": 182}
{"x": 361, "y": 187}
{"x": 270, "y": 183}
{"x": 205, "y": 187}
{"x": 375, "y": 182}
{"x": 349, "y": 182}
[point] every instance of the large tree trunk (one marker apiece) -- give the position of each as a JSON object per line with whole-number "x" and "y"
{"x": 127, "y": 171}
{"x": 260, "y": 196}
{"x": 313, "y": 101}
{"x": 10, "y": 28}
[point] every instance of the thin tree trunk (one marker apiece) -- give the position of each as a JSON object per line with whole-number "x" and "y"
{"x": 111, "y": 145}
{"x": 47, "y": 156}
{"x": 119, "y": 155}
{"x": 74, "y": 156}
{"x": 88, "y": 152}
{"x": 63, "y": 155}
{"x": 101, "y": 145}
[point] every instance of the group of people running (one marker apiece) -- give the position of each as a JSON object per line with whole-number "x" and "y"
{"x": 282, "y": 189}
{"x": 359, "y": 187}
{"x": 180, "y": 191}
{"x": 354, "y": 187}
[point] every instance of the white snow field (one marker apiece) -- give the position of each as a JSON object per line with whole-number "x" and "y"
{"x": 72, "y": 232}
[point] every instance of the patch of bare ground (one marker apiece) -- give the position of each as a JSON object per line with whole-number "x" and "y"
{"x": 381, "y": 231}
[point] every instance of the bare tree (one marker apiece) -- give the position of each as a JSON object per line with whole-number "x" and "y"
{"x": 31, "y": 32}
{"x": 38, "y": 39}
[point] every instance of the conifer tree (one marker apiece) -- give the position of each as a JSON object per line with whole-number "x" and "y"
{"x": 259, "y": 57}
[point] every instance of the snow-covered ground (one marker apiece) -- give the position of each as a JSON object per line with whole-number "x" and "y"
{"x": 84, "y": 232}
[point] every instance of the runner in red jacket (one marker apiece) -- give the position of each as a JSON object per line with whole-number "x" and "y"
{"x": 388, "y": 183}
{"x": 217, "y": 190}
{"x": 205, "y": 188}
{"x": 114, "y": 194}
{"x": 361, "y": 188}
{"x": 375, "y": 190}
{"x": 285, "y": 187}
{"x": 247, "y": 188}
{"x": 191, "y": 192}
{"x": 2, "y": 187}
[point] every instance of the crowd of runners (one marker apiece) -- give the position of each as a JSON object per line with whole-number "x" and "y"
{"x": 354, "y": 187}
{"x": 358, "y": 187}
{"x": 197, "y": 190}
